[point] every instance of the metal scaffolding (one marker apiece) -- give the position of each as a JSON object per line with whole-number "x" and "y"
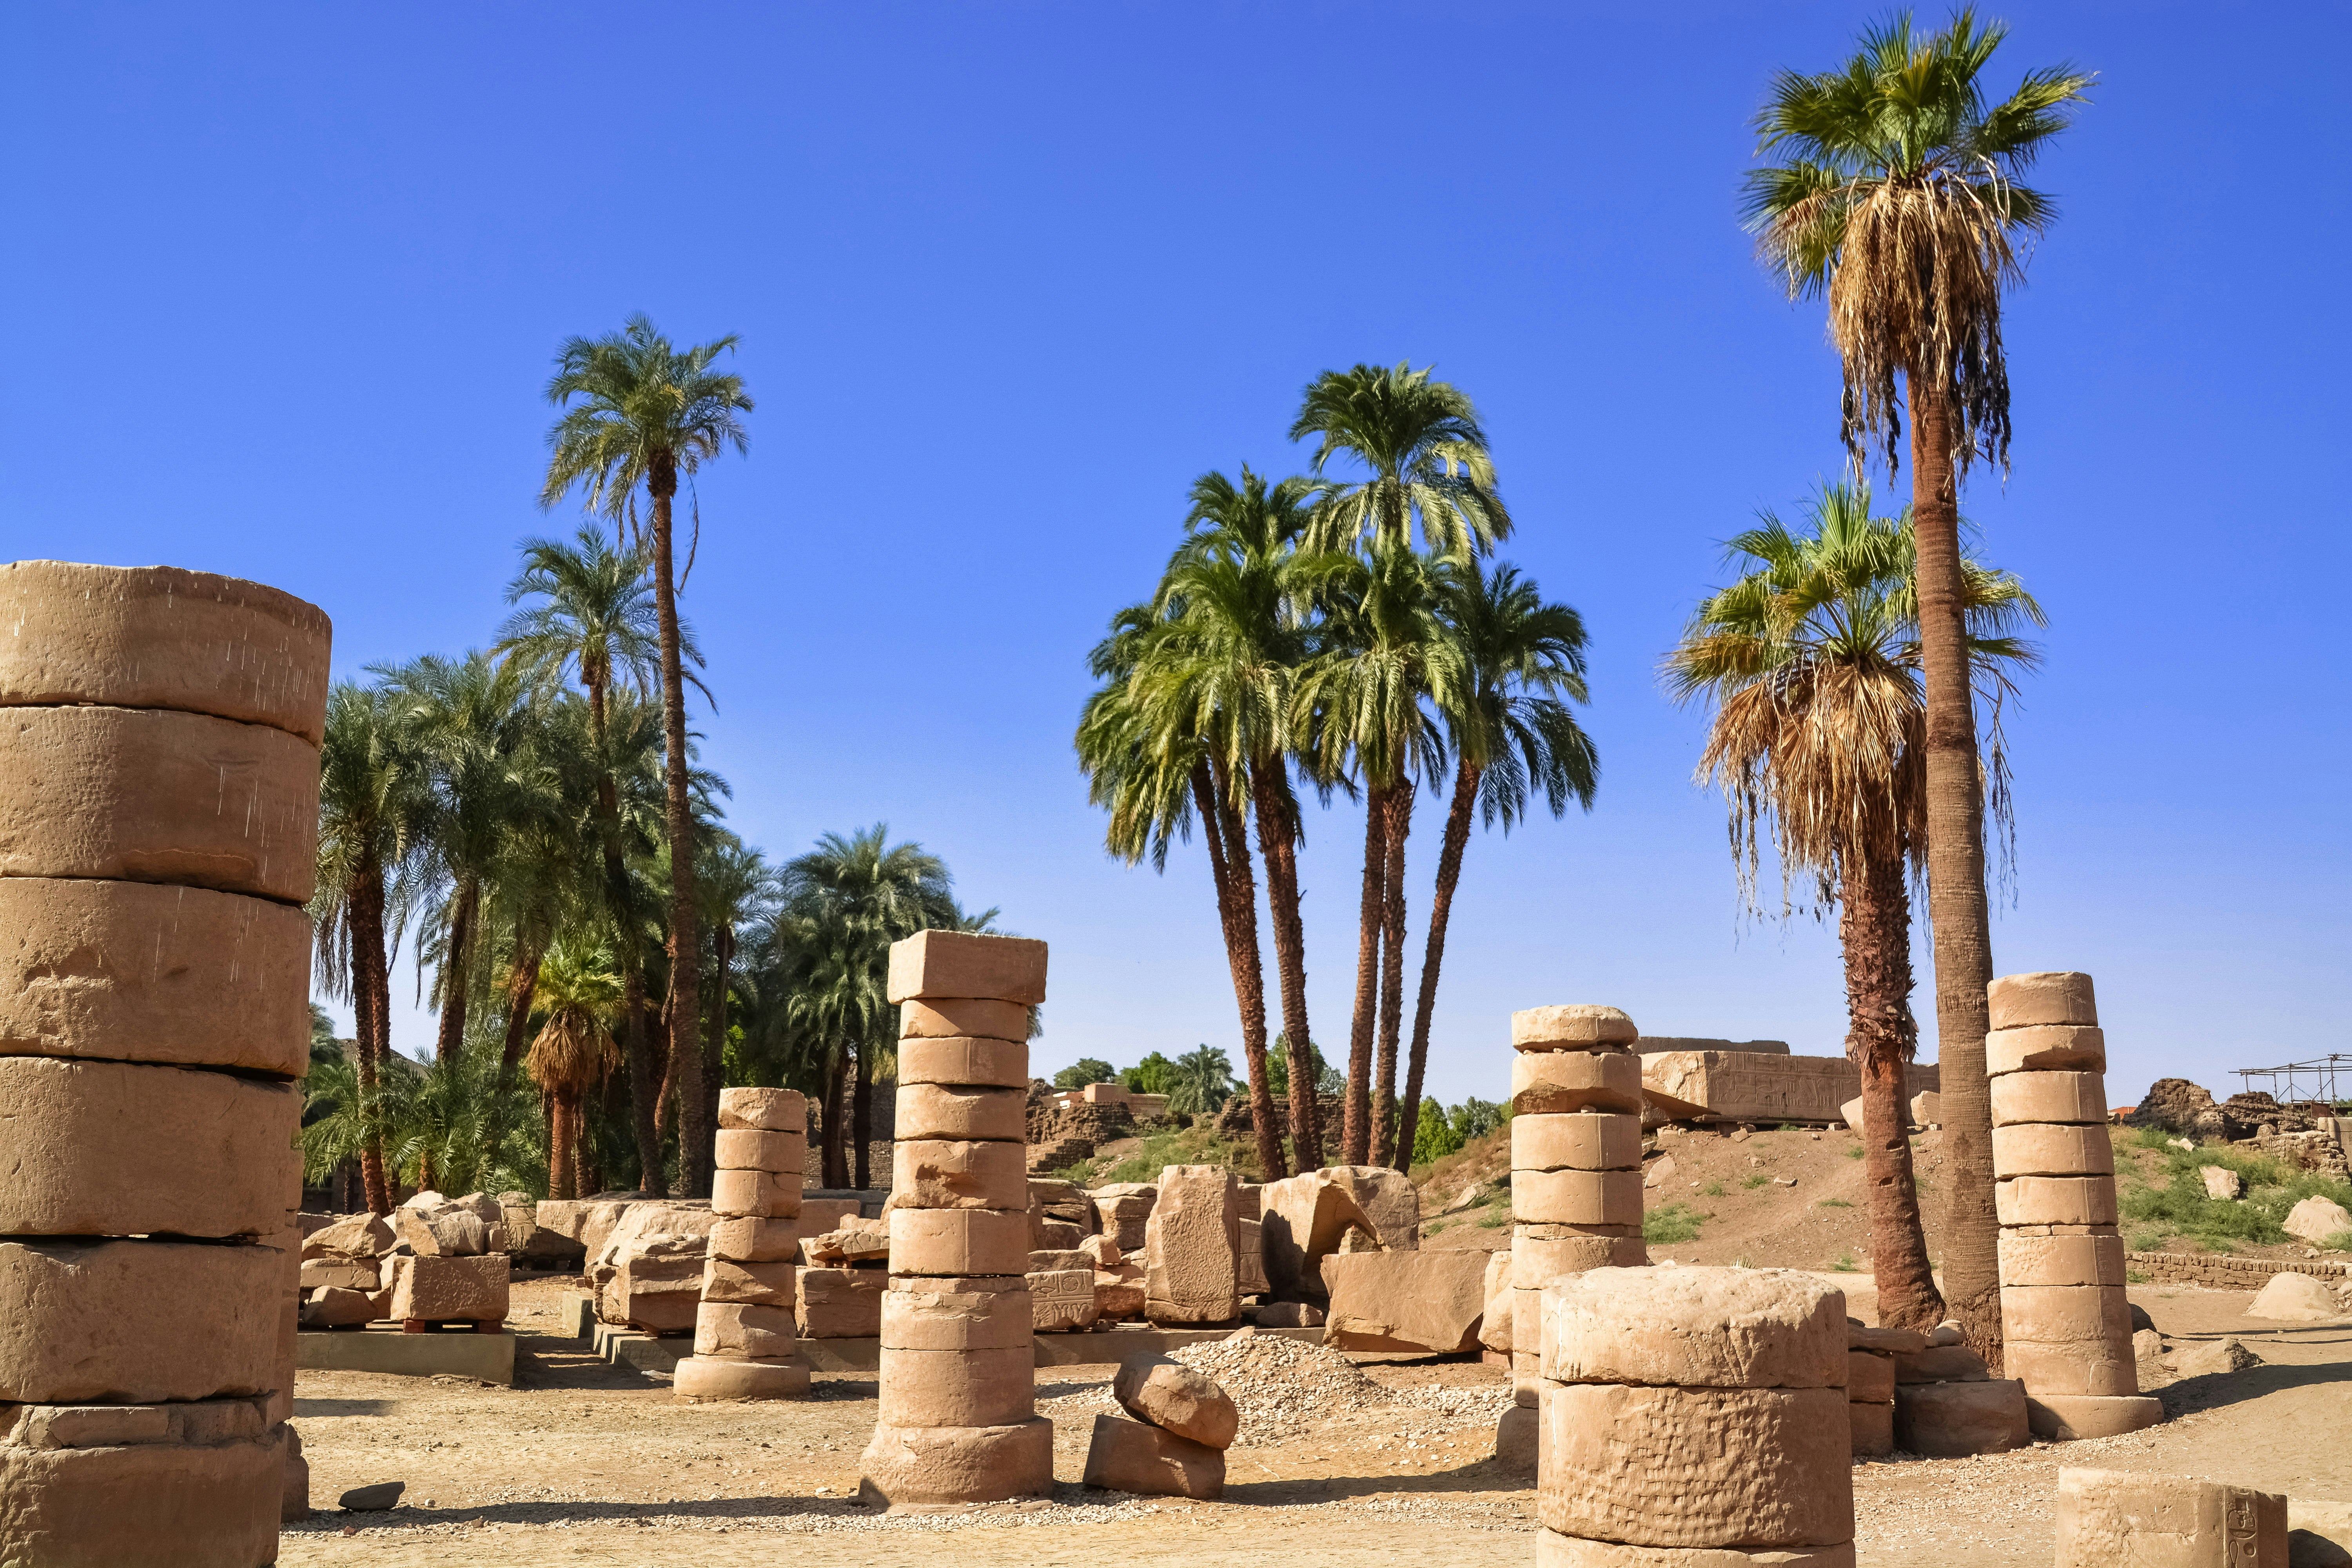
{"x": 2315, "y": 1083}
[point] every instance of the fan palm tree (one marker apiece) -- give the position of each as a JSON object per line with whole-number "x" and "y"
{"x": 1514, "y": 737}
{"x": 372, "y": 811}
{"x": 1897, "y": 192}
{"x": 1812, "y": 663}
{"x": 591, "y": 610}
{"x": 639, "y": 411}
{"x": 1425, "y": 455}
{"x": 578, "y": 990}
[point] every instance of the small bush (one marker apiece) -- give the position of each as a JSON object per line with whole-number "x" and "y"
{"x": 2180, "y": 1208}
{"x": 1753, "y": 1180}
{"x": 1844, "y": 1263}
{"x": 1495, "y": 1218}
{"x": 1833, "y": 1204}
{"x": 2136, "y": 1277}
{"x": 1856, "y": 1152}
{"x": 1433, "y": 1227}
{"x": 1674, "y": 1223}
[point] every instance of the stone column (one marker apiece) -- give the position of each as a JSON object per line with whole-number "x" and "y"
{"x": 957, "y": 1420}
{"x": 1576, "y": 1174}
{"x": 1694, "y": 1416}
{"x": 743, "y": 1343}
{"x": 2065, "y": 1324}
{"x": 159, "y": 809}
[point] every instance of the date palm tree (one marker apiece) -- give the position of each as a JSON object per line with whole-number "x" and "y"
{"x": 638, "y": 412}
{"x": 1896, "y": 191}
{"x": 578, "y": 990}
{"x": 1812, "y": 661}
{"x": 1514, "y": 738}
{"x": 1423, "y": 453}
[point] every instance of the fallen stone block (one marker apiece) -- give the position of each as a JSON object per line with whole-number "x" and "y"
{"x": 1743, "y": 1086}
{"x": 331, "y": 1307}
{"x": 1406, "y": 1301}
{"x": 1495, "y": 1314}
{"x": 920, "y": 1466}
{"x": 1306, "y": 1217}
{"x": 2295, "y": 1299}
{"x": 1518, "y": 1434}
{"x": 2106, "y": 1518}
{"x": 374, "y": 1498}
{"x": 1062, "y": 1300}
{"x": 2319, "y": 1533}
{"x": 1189, "y": 1272}
{"x": 1118, "y": 1293}
{"x": 1869, "y": 1378}
{"x": 450, "y": 1290}
{"x": 1169, "y": 1394}
{"x": 711, "y": 1378}
{"x": 1289, "y": 1315}
{"x": 1948, "y": 1420}
{"x": 1390, "y": 1201}
{"x": 841, "y": 1303}
{"x": 860, "y": 1241}
{"x": 1132, "y": 1457}
{"x": 353, "y": 1274}
{"x": 1249, "y": 1257}
{"x": 2317, "y": 1219}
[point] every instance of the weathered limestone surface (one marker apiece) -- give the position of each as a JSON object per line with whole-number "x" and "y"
{"x": 1872, "y": 1425}
{"x": 102, "y": 1148}
{"x": 1495, "y": 1311}
{"x": 1430, "y": 1301}
{"x": 754, "y": 1240}
{"x": 139, "y": 1321}
{"x": 752, "y": 1149}
{"x": 2063, "y": 1417}
{"x": 1577, "y": 1198}
{"x": 927, "y": 1465}
{"x": 2099, "y": 1367}
{"x": 768, "y": 1284}
{"x": 1695, "y": 1328}
{"x": 2111, "y": 1517}
{"x": 1134, "y": 1457}
{"x": 1189, "y": 1275}
{"x": 755, "y": 1194}
{"x": 729, "y": 1328}
{"x": 1063, "y": 1300}
{"x": 2088, "y": 1256}
{"x": 2294, "y": 1298}
{"x": 712, "y": 1378}
{"x": 1745, "y": 1086}
{"x": 2055, "y": 1200}
{"x": 1548, "y": 1251}
{"x": 841, "y": 1303}
{"x": 146, "y": 795}
{"x": 2055, "y": 1313}
{"x": 142, "y": 971}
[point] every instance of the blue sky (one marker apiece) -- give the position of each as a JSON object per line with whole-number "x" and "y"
{"x": 288, "y": 280}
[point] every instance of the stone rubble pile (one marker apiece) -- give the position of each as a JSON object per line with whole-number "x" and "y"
{"x": 744, "y": 1346}
{"x": 958, "y": 1421}
{"x": 1175, "y": 1446}
{"x": 1575, "y": 1175}
{"x": 2066, "y": 1326}
{"x": 159, "y": 794}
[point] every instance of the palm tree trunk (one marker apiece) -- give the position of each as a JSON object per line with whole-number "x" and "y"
{"x": 861, "y": 1115}
{"x": 714, "y": 1061}
{"x": 371, "y": 992}
{"x": 563, "y": 1150}
{"x": 645, "y": 1073}
{"x": 1875, "y": 930}
{"x": 1398, "y": 812}
{"x": 666, "y": 1096}
{"x": 1355, "y": 1130}
{"x": 1441, "y": 909}
{"x": 837, "y": 1170}
{"x": 697, "y": 1126}
{"x": 1277, "y": 839}
{"x": 1956, "y": 910}
{"x": 462, "y": 920}
{"x": 521, "y": 981}
{"x": 1237, "y": 909}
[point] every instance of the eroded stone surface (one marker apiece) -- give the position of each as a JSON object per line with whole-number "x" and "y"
{"x": 1946, "y": 1420}
{"x": 1190, "y": 1274}
{"x": 1430, "y": 1301}
{"x": 142, "y": 1505}
{"x": 965, "y": 1060}
{"x": 918, "y": 1466}
{"x": 1557, "y": 1551}
{"x": 763, "y": 1110}
{"x": 1571, "y": 1025}
{"x": 1132, "y": 1457}
{"x": 1558, "y": 1083}
{"x": 1306, "y": 1217}
{"x": 2110, "y": 1517}
{"x": 2049, "y": 997}
{"x": 945, "y": 963}
{"x": 1695, "y": 1328}
{"x": 139, "y": 1321}
{"x": 958, "y": 1387}
{"x": 1168, "y": 1394}
{"x": 940, "y": 1016}
{"x": 958, "y": 1242}
{"x": 925, "y": 1314}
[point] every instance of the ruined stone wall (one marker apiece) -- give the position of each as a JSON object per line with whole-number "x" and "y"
{"x": 2226, "y": 1273}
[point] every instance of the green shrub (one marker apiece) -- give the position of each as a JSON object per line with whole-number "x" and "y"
{"x": 1833, "y": 1204}
{"x": 1713, "y": 1189}
{"x": 1753, "y": 1180}
{"x": 1856, "y": 1152}
{"x": 1844, "y": 1263}
{"x": 2180, "y": 1208}
{"x": 1674, "y": 1223}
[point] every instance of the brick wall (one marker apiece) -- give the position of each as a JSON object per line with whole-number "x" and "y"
{"x": 2228, "y": 1273}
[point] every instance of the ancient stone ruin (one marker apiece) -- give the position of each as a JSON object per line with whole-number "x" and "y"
{"x": 958, "y": 1421}
{"x": 743, "y": 1340}
{"x": 2108, "y": 1517}
{"x": 1692, "y": 1414}
{"x": 2065, "y": 1324}
{"x": 159, "y": 778}
{"x": 1575, "y": 1175}
{"x": 1175, "y": 1446}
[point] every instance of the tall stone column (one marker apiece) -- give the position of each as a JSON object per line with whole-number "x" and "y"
{"x": 2066, "y": 1325}
{"x": 159, "y": 809}
{"x": 744, "y": 1336}
{"x": 958, "y": 1421}
{"x": 1575, "y": 1175}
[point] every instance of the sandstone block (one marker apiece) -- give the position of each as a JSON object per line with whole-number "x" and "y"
{"x": 954, "y": 965}
{"x": 943, "y": 1173}
{"x": 1189, "y": 1273}
{"x": 657, "y": 1295}
{"x": 2052, "y": 997}
{"x": 2028, "y": 1097}
{"x": 2111, "y": 1517}
{"x": 159, "y": 636}
{"x": 1169, "y": 1394}
{"x": 2042, "y": 1149}
{"x": 1885, "y": 1342}
{"x": 2222, "y": 1183}
{"x": 2055, "y": 1200}
{"x": 1118, "y": 1293}
{"x": 142, "y": 1505}
{"x": 2093, "y": 1258}
{"x": 1305, "y": 1218}
{"x": 356, "y": 1236}
{"x": 755, "y": 1194}
{"x": 2317, "y": 1219}
{"x": 334, "y": 1307}
{"x": 1527, "y": 1382}
{"x": 749, "y": 1241}
{"x": 1869, "y": 1379}
{"x": 931, "y": 1110}
{"x": 1391, "y": 1206}
{"x": 857, "y": 1241}
{"x": 1518, "y": 1436}
{"x": 1132, "y": 1457}
{"x": 2046, "y": 1047}
{"x": 1940, "y": 1363}
{"x": 763, "y": 1110}
{"x": 146, "y": 795}
{"x": 1546, "y": 1252}
{"x": 1572, "y": 1026}
{"x": 1695, "y": 1328}
{"x": 97, "y": 1148}
{"x": 1872, "y": 1427}
{"x": 2066, "y": 1312}
{"x": 139, "y": 1321}
{"x": 2294, "y": 1298}
{"x": 142, "y": 971}
{"x": 841, "y": 1303}
{"x": 977, "y": 1018}
{"x": 1586, "y": 1141}
{"x": 1557, "y": 1083}
{"x": 766, "y": 1284}
{"x": 964, "y": 1060}
{"x": 1556, "y": 1551}
{"x": 1249, "y": 1257}
{"x": 2100, "y": 1367}
{"x": 700, "y": 1378}
{"x": 1054, "y": 1234}
{"x": 450, "y": 1290}
{"x": 1946, "y": 1420}
{"x": 924, "y": 1465}
{"x": 958, "y": 1242}
{"x": 730, "y": 1329}
{"x": 1697, "y": 1466}
{"x": 1046, "y": 1259}
{"x": 818, "y": 1216}
{"x": 1495, "y": 1314}
{"x": 1577, "y": 1198}
{"x": 1062, "y": 1300}
{"x": 747, "y": 1149}
{"x": 958, "y": 1388}
{"x": 921, "y": 1313}
{"x": 1406, "y": 1301}
{"x": 2065, "y": 1418}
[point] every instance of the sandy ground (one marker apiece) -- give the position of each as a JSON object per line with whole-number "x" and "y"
{"x": 589, "y": 1464}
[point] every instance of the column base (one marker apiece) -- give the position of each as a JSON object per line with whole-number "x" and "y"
{"x": 1556, "y": 1551}
{"x": 704, "y": 1377}
{"x": 922, "y": 1465}
{"x": 2066, "y": 1418}
{"x": 1515, "y": 1440}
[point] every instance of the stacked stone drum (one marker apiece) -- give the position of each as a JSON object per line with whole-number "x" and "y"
{"x": 159, "y": 807}
{"x": 743, "y": 1341}
{"x": 2066, "y": 1325}
{"x": 1576, "y": 1174}
{"x": 957, "y": 1420}
{"x": 1694, "y": 1416}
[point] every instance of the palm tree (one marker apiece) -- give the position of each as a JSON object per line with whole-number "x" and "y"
{"x": 1227, "y": 673}
{"x": 1514, "y": 736}
{"x": 593, "y": 611}
{"x": 371, "y": 812}
{"x": 736, "y": 886}
{"x": 1899, "y": 196}
{"x": 1812, "y": 660}
{"x": 1425, "y": 453}
{"x": 639, "y": 411}
{"x": 578, "y": 990}
{"x": 1205, "y": 1081}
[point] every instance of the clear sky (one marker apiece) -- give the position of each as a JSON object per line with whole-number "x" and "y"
{"x": 286, "y": 282}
